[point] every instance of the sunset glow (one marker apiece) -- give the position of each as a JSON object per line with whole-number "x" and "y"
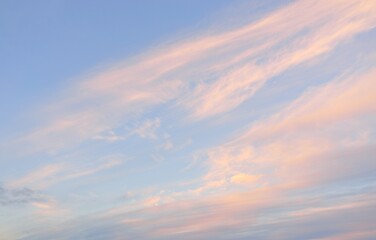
{"x": 188, "y": 120}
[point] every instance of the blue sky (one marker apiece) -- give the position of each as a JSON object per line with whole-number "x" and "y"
{"x": 187, "y": 119}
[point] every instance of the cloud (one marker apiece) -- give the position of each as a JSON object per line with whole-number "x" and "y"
{"x": 38, "y": 175}
{"x": 327, "y": 128}
{"x": 242, "y": 178}
{"x": 323, "y": 139}
{"x": 206, "y": 75}
{"x": 261, "y": 214}
{"x": 248, "y": 76}
{"x": 335, "y": 102}
{"x": 50, "y": 208}
{"x": 52, "y": 174}
{"x": 110, "y": 136}
{"x": 167, "y": 145}
{"x": 301, "y": 172}
{"x": 17, "y": 196}
{"x": 148, "y": 129}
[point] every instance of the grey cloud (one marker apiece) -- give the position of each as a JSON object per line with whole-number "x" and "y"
{"x": 13, "y": 196}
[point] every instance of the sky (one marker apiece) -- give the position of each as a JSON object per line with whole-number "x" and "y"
{"x": 188, "y": 120}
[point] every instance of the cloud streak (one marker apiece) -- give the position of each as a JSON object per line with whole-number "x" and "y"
{"x": 17, "y": 196}
{"x": 259, "y": 214}
{"x": 49, "y": 175}
{"x": 288, "y": 169}
{"x": 308, "y": 134}
{"x": 241, "y": 61}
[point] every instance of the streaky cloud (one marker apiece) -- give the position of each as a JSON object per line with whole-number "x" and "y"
{"x": 241, "y": 59}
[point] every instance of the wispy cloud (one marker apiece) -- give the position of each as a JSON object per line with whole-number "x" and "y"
{"x": 52, "y": 174}
{"x": 48, "y": 209}
{"x": 295, "y": 172}
{"x": 241, "y": 60}
{"x": 308, "y": 134}
{"x": 261, "y": 214}
{"x": 308, "y": 37}
{"x": 148, "y": 129}
{"x": 22, "y": 195}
